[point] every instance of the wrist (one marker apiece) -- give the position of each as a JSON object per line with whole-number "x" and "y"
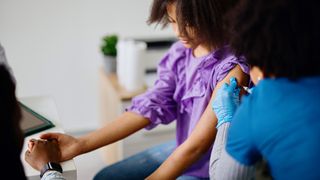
{"x": 40, "y": 165}
{"x": 83, "y": 145}
{"x": 50, "y": 166}
{"x": 224, "y": 120}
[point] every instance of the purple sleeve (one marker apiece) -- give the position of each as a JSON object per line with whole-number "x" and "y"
{"x": 157, "y": 104}
{"x": 228, "y": 64}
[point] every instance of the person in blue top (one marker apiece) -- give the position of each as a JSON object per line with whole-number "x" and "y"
{"x": 280, "y": 121}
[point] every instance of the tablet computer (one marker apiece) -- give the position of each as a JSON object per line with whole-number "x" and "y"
{"x": 32, "y": 122}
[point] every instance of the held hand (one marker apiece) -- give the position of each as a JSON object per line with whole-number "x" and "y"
{"x": 42, "y": 152}
{"x": 226, "y": 101}
{"x": 69, "y": 146}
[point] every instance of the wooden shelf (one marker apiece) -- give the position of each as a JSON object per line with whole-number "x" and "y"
{"x": 123, "y": 94}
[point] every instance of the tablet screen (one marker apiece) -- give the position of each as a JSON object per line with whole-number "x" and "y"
{"x": 33, "y": 122}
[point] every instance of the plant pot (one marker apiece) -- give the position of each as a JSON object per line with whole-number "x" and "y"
{"x": 110, "y": 64}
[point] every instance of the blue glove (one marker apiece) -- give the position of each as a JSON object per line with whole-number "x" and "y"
{"x": 226, "y": 101}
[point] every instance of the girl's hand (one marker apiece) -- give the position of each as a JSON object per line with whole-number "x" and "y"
{"x": 226, "y": 101}
{"x": 69, "y": 146}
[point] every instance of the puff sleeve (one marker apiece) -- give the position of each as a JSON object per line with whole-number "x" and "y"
{"x": 158, "y": 104}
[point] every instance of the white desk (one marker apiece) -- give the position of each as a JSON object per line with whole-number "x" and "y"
{"x": 46, "y": 107}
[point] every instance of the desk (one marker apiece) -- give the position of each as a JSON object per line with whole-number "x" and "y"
{"x": 113, "y": 101}
{"x": 46, "y": 107}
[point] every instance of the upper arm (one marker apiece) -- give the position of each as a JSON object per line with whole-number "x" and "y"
{"x": 204, "y": 133}
{"x": 200, "y": 139}
{"x": 242, "y": 79}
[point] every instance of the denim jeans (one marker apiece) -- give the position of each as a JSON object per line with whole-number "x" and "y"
{"x": 141, "y": 165}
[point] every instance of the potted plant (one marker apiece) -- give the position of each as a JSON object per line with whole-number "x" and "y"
{"x": 109, "y": 51}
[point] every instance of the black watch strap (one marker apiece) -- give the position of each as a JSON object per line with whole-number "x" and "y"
{"x": 50, "y": 166}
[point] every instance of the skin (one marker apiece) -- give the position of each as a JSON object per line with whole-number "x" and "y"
{"x": 186, "y": 154}
{"x": 42, "y": 152}
{"x": 204, "y": 133}
{"x": 199, "y": 50}
{"x": 256, "y": 74}
{"x": 117, "y": 129}
{"x": 199, "y": 141}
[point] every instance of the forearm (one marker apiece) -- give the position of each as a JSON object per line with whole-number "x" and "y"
{"x": 222, "y": 165}
{"x": 182, "y": 158}
{"x": 123, "y": 126}
{"x": 199, "y": 141}
{"x": 190, "y": 151}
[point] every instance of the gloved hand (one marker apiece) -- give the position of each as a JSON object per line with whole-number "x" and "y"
{"x": 226, "y": 101}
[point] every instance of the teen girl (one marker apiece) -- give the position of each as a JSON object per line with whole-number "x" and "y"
{"x": 188, "y": 77}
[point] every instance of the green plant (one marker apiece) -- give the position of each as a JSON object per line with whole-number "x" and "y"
{"x": 108, "y": 46}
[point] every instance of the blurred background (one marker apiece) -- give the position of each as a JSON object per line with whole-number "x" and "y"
{"x": 53, "y": 49}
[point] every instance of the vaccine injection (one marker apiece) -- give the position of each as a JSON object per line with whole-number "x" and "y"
{"x": 247, "y": 89}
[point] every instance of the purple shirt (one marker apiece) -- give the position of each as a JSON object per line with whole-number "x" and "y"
{"x": 182, "y": 92}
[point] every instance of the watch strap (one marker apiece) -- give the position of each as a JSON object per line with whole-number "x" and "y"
{"x": 50, "y": 166}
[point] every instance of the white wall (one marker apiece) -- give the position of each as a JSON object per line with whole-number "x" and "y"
{"x": 53, "y": 48}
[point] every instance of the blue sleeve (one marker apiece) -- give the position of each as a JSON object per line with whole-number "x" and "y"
{"x": 240, "y": 142}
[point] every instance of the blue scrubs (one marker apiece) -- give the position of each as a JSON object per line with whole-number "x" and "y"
{"x": 280, "y": 121}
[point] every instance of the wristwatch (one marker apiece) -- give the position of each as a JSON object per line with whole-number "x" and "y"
{"x": 50, "y": 166}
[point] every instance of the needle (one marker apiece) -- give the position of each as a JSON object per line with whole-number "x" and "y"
{"x": 248, "y": 90}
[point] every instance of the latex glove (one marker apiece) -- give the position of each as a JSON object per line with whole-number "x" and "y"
{"x": 226, "y": 101}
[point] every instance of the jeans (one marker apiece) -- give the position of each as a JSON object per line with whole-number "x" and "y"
{"x": 141, "y": 165}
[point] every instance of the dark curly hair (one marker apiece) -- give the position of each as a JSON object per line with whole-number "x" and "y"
{"x": 279, "y": 36}
{"x": 205, "y": 17}
{"x": 10, "y": 133}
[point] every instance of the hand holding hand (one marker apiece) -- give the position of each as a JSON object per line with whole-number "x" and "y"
{"x": 41, "y": 152}
{"x": 69, "y": 146}
{"x": 226, "y": 101}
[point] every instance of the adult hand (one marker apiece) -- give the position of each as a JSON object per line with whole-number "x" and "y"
{"x": 226, "y": 101}
{"x": 69, "y": 146}
{"x": 42, "y": 152}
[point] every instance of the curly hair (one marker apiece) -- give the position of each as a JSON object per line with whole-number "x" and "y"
{"x": 10, "y": 133}
{"x": 281, "y": 37}
{"x": 205, "y": 17}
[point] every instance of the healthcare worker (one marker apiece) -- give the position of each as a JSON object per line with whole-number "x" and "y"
{"x": 279, "y": 121}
